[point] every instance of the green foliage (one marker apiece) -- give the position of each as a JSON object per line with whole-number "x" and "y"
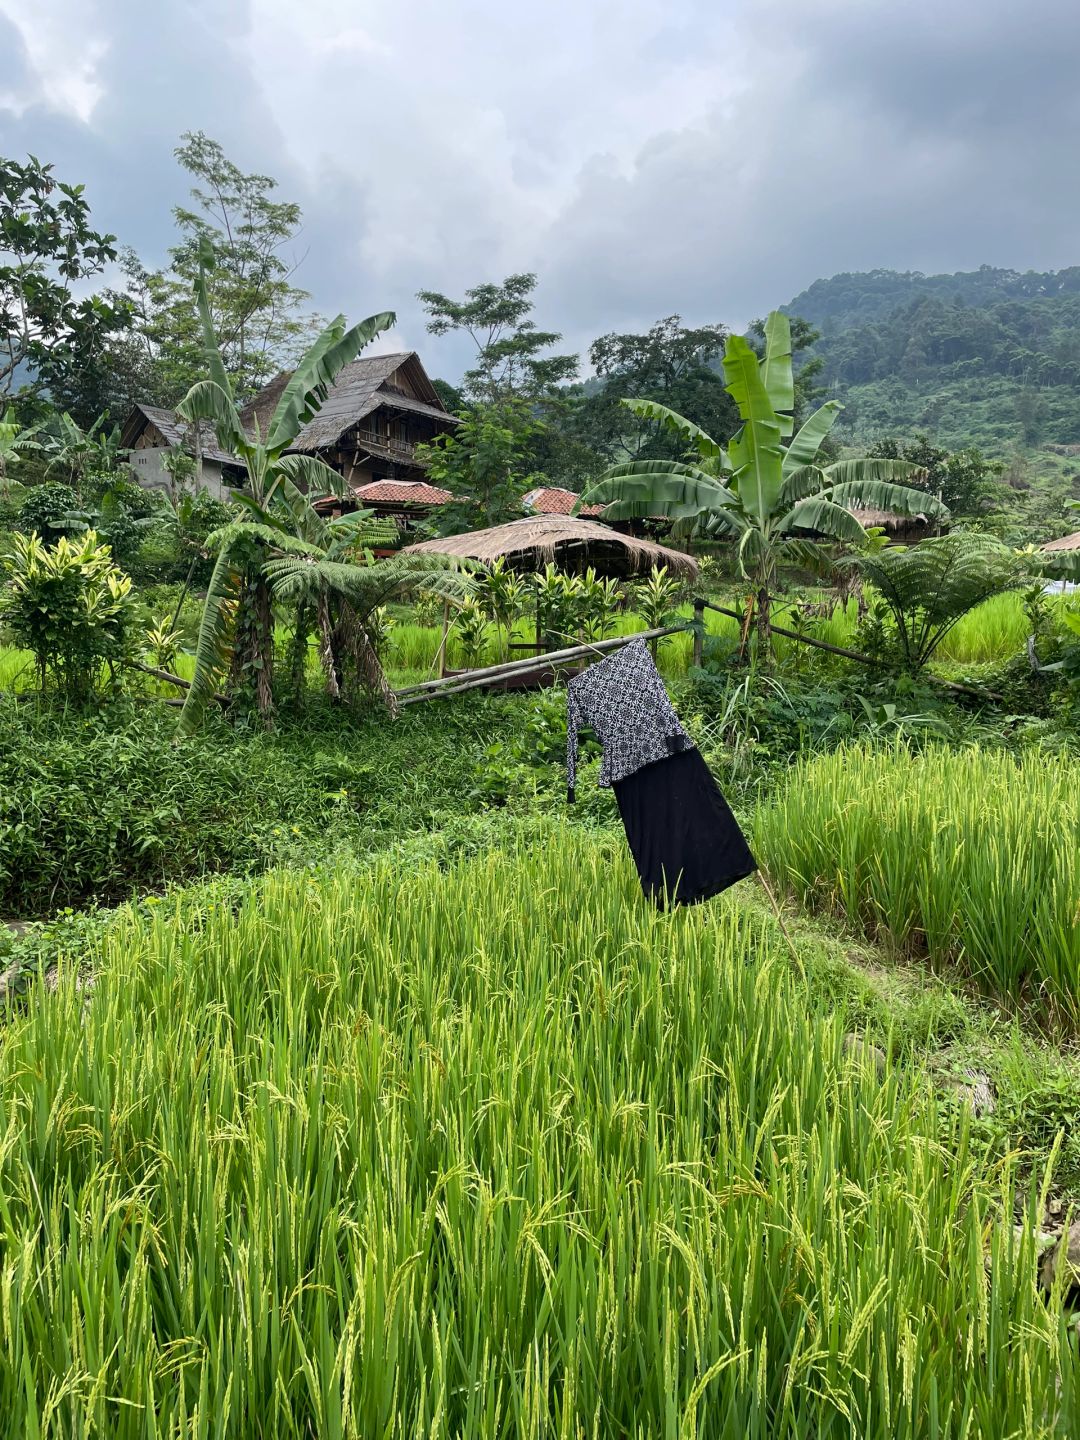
{"x": 276, "y": 525}
{"x": 70, "y": 606}
{"x": 988, "y": 357}
{"x": 969, "y": 856}
{"x": 923, "y": 592}
{"x": 509, "y": 362}
{"x": 580, "y": 1164}
{"x": 964, "y": 481}
{"x": 47, "y": 253}
{"x": 51, "y": 511}
{"x": 671, "y": 364}
{"x": 470, "y": 630}
{"x": 501, "y": 593}
{"x": 16, "y": 441}
{"x": 654, "y": 599}
{"x": 766, "y": 496}
{"x": 484, "y": 463}
{"x": 98, "y": 804}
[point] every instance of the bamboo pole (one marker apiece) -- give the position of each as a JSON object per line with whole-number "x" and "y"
{"x": 854, "y": 655}
{"x": 506, "y": 668}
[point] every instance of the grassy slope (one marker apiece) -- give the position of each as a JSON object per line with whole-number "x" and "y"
{"x": 497, "y": 1150}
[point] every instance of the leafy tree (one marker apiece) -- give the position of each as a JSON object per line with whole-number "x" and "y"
{"x": 670, "y": 363}
{"x": 930, "y": 587}
{"x": 237, "y": 623}
{"x": 961, "y": 479}
{"x": 450, "y": 396}
{"x": 48, "y": 251}
{"x": 484, "y": 463}
{"x": 768, "y": 497}
{"x": 510, "y": 362}
{"x": 70, "y": 606}
{"x": 254, "y": 306}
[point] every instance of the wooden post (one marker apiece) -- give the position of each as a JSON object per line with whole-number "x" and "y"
{"x": 699, "y": 631}
{"x": 442, "y": 642}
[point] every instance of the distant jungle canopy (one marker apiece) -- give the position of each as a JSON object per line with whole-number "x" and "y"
{"x": 909, "y": 350}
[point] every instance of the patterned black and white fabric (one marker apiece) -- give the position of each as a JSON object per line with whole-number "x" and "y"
{"x": 623, "y": 700}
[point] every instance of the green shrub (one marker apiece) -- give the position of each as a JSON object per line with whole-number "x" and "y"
{"x": 71, "y": 607}
{"x": 46, "y": 510}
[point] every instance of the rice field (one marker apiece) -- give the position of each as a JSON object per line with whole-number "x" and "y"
{"x": 493, "y": 1150}
{"x": 971, "y": 857}
{"x": 415, "y": 647}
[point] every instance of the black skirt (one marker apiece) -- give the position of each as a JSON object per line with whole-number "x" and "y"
{"x": 685, "y": 841}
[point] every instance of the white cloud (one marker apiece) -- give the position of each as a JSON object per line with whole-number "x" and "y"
{"x": 706, "y": 156}
{"x": 64, "y": 46}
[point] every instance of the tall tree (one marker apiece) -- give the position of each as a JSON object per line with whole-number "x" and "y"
{"x": 509, "y": 348}
{"x": 48, "y": 251}
{"x": 672, "y": 364}
{"x": 256, "y": 310}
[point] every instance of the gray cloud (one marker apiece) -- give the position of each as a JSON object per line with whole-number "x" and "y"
{"x": 709, "y": 158}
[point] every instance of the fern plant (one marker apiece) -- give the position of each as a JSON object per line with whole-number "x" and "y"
{"x": 236, "y": 634}
{"x": 927, "y": 589}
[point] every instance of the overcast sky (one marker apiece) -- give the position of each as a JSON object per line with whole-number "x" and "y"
{"x": 645, "y": 157}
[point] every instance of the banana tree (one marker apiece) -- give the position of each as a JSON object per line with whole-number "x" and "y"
{"x": 326, "y": 570}
{"x": 236, "y": 633}
{"x": 771, "y": 490}
{"x": 15, "y": 441}
{"x": 78, "y": 451}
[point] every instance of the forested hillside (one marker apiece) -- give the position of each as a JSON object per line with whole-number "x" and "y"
{"x": 988, "y": 357}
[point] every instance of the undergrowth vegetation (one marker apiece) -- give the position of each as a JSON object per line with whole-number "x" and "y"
{"x": 94, "y": 806}
{"x": 494, "y": 1150}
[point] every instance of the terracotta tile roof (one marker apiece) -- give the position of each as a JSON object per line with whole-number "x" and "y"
{"x": 402, "y": 492}
{"x": 1067, "y": 542}
{"x": 553, "y": 500}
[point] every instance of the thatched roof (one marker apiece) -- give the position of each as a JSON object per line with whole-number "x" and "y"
{"x": 362, "y": 387}
{"x": 887, "y": 519}
{"x": 1067, "y": 542}
{"x": 542, "y": 539}
{"x": 174, "y": 431}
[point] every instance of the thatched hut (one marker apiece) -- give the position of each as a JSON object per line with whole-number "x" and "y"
{"x": 1065, "y": 544}
{"x": 903, "y": 529}
{"x": 564, "y": 540}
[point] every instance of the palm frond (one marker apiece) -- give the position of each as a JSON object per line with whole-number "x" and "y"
{"x": 706, "y": 446}
{"x": 664, "y": 488}
{"x": 775, "y": 369}
{"x": 213, "y": 650}
{"x": 207, "y": 400}
{"x": 799, "y": 484}
{"x": 806, "y": 444}
{"x": 316, "y": 372}
{"x": 883, "y": 495}
{"x": 822, "y": 515}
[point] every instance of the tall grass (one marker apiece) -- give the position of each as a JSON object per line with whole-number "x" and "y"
{"x": 492, "y": 1151}
{"x": 970, "y": 856}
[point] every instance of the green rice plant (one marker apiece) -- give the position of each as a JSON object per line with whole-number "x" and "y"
{"x": 972, "y": 857}
{"x": 995, "y": 631}
{"x": 494, "y": 1150}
